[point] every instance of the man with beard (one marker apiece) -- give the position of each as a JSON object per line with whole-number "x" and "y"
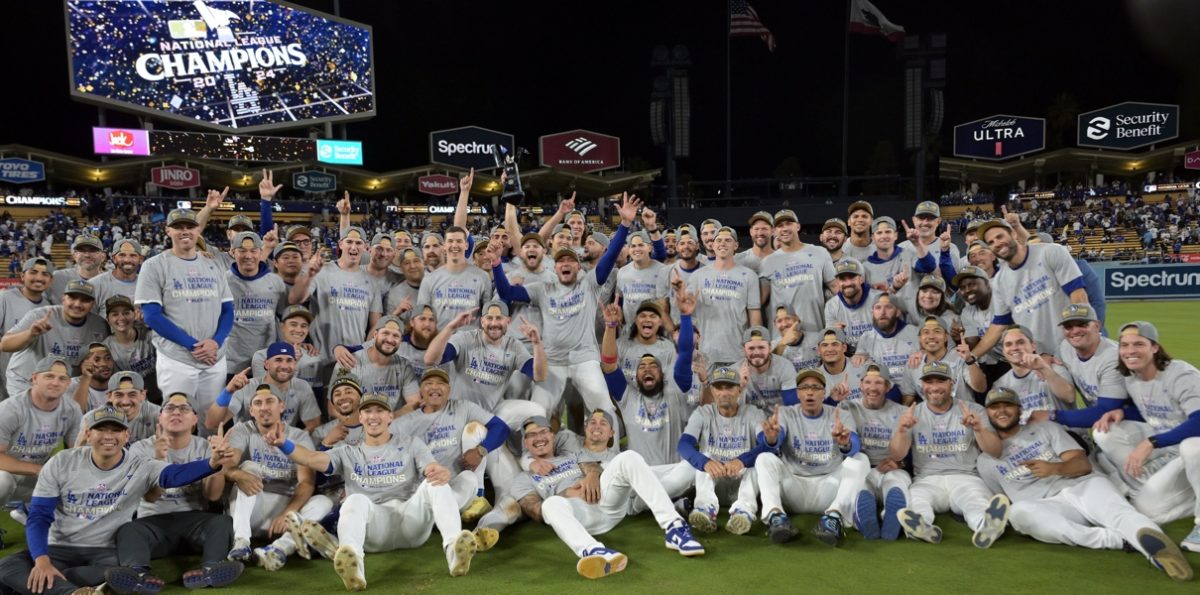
{"x": 89, "y": 388}
{"x": 299, "y": 404}
{"x": 87, "y": 252}
{"x": 288, "y": 263}
{"x": 32, "y": 426}
{"x": 431, "y": 248}
{"x": 180, "y": 294}
{"x": 380, "y": 368}
{"x": 794, "y": 344}
{"x": 64, "y": 330}
{"x": 422, "y": 328}
{"x": 797, "y": 274}
{"x": 1039, "y": 282}
{"x": 812, "y": 465}
{"x": 708, "y": 231}
{"x": 580, "y": 498}
{"x": 396, "y": 494}
{"x": 458, "y": 286}
{"x": 943, "y": 458}
{"x": 381, "y": 253}
{"x": 926, "y": 220}
{"x": 257, "y": 295}
{"x": 859, "y": 217}
{"x": 975, "y": 288}
{"x": 873, "y": 417}
{"x": 293, "y": 330}
{"x": 526, "y": 270}
{"x": 934, "y": 339}
{"x": 16, "y": 302}
{"x": 1090, "y": 358}
{"x": 845, "y": 309}
{"x": 768, "y": 379}
{"x": 889, "y": 343}
{"x": 569, "y": 307}
{"x": 642, "y": 280}
{"x": 399, "y": 300}
{"x": 1056, "y": 497}
{"x": 344, "y": 304}
{"x": 833, "y": 237}
{"x": 122, "y": 279}
{"x": 646, "y": 336}
{"x": 761, "y": 225}
{"x": 462, "y": 437}
{"x": 842, "y": 377}
{"x": 721, "y": 445}
{"x": 727, "y": 299}
{"x": 688, "y": 261}
{"x": 268, "y": 486}
{"x": 670, "y": 238}
{"x": 1041, "y": 386}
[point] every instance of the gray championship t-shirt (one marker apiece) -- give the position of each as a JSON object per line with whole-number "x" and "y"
{"x": 390, "y": 471}
{"x": 723, "y": 438}
{"x": 480, "y": 371}
{"x": 941, "y": 444}
{"x": 806, "y": 445}
{"x": 63, "y": 339}
{"x": 565, "y": 475}
{"x": 723, "y": 299}
{"x": 191, "y": 293}
{"x": 1169, "y": 399}
{"x": 856, "y": 317}
{"x": 1034, "y": 392}
{"x": 1034, "y": 442}
{"x": 279, "y": 472}
{"x": 650, "y": 284}
{"x": 654, "y": 423}
{"x": 765, "y": 388}
{"x": 183, "y": 499}
{"x": 255, "y": 302}
{"x": 568, "y": 319}
{"x": 1032, "y": 293}
{"x": 630, "y": 352}
{"x": 891, "y": 351}
{"x": 874, "y": 426}
{"x": 798, "y": 280}
{"x": 342, "y": 302}
{"x": 138, "y": 356}
{"x": 1096, "y": 377}
{"x": 804, "y": 354}
{"x": 30, "y": 434}
{"x": 453, "y": 293}
{"x": 851, "y": 374}
{"x": 299, "y": 405}
{"x": 14, "y": 306}
{"x": 106, "y": 286}
{"x": 442, "y": 430}
{"x": 396, "y": 380}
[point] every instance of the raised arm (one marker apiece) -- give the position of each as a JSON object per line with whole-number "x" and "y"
{"x": 266, "y": 193}
{"x": 211, "y": 203}
{"x": 628, "y": 211}
{"x": 564, "y": 207}
{"x": 464, "y": 199}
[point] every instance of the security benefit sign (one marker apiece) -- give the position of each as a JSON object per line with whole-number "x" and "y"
{"x": 21, "y": 171}
{"x": 225, "y": 64}
{"x": 999, "y": 137}
{"x": 314, "y": 181}
{"x": 1152, "y": 281}
{"x": 580, "y": 151}
{"x": 1128, "y": 125}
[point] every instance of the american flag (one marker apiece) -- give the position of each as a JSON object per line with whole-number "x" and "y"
{"x": 744, "y": 22}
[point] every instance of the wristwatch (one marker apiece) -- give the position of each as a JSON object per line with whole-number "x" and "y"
{"x": 482, "y": 450}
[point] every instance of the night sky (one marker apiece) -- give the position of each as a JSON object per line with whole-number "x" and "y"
{"x": 534, "y": 68}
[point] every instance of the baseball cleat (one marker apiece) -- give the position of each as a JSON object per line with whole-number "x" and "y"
{"x": 125, "y": 580}
{"x": 320, "y": 539}
{"x": 101, "y": 589}
{"x": 780, "y": 528}
{"x": 485, "y": 538}
{"x": 829, "y": 529}
{"x": 1164, "y": 554}
{"x": 18, "y": 510}
{"x": 294, "y": 522}
{"x": 476, "y": 509}
{"x": 600, "y": 562}
{"x": 219, "y": 574}
{"x": 683, "y": 505}
{"x": 995, "y": 520}
{"x": 866, "y": 517}
{"x": 270, "y": 557}
{"x": 704, "y": 521}
{"x": 916, "y": 528}
{"x": 893, "y": 502}
{"x": 241, "y": 551}
{"x": 679, "y": 538}
{"x": 1191, "y": 543}
{"x": 459, "y": 553}
{"x": 347, "y": 563}
{"x": 739, "y": 522}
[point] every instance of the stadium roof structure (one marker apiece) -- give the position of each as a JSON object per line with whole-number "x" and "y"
{"x": 76, "y": 171}
{"x": 1074, "y": 160}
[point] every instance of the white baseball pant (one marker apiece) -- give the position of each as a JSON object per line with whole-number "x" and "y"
{"x": 785, "y": 491}
{"x": 742, "y": 490}
{"x": 395, "y": 524}
{"x": 16, "y": 487}
{"x": 1168, "y": 486}
{"x": 201, "y": 385}
{"x": 252, "y": 515}
{"x": 587, "y": 378}
{"x": 627, "y": 475}
{"x": 676, "y": 479}
{"x": 964, "y": 494}
{"x": 882, "y": 483}
{"x": 1091, "y": 514}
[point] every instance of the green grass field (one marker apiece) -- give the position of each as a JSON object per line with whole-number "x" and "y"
{"x": 530, "y": 559}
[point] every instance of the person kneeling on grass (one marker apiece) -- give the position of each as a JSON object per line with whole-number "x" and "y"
{"x": 396, "y": 493}
{"x": 578, "y": 500}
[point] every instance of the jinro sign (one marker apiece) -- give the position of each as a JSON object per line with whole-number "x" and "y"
{"x": 175, "y": 177}
{"x": 1152, "y": 281}
{"x": 999, "y": 137}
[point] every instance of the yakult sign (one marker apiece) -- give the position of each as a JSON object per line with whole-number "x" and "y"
{"x": 175, "y": 177}
{"x": 437, "y": 185}
{"x": 467, "y": 147}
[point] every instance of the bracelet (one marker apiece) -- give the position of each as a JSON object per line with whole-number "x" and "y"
{"x": 288, "y": 446}
{"x": 224, "y": 398}
{"x": 612, "y": 324}
{"x": 605, "y": 359}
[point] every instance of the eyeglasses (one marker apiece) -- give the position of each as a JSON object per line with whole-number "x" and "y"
{"x": 177, "y": 409}
{"x": 302, "y": 242}
{"x": 811, "y": 387}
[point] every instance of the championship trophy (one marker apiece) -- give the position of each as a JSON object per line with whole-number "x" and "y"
{"x": 512, "y": 192}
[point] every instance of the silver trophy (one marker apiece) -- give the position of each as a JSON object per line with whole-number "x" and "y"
{"x": 512, "y": 192}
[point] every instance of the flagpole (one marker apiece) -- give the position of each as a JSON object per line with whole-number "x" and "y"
{"x": 728, "y": 109}
{"x": 845, "y": 95}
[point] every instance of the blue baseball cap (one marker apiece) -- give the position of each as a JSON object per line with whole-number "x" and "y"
{"x": 280, "y": 348}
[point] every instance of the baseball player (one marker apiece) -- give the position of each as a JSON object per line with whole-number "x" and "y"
{"x": 770, "y": 378}
{"x": 842, "y": 376}
{"x": 708, "y": 231}
{"x": 833, "y": 237}
{"x": 859, "y": 244}
{"x": 946, "y": 436}
{"x": 642, "y": 280}
{"x": 127, "y": 393}
{"x": 1042, "y": 387}
{"x": 299, "y": 404}
{"x": 927, "y": 218}
{"x": 180, "y": 294}
{"x": 850, "y": 308}
{"x": 813, "y": 465}
{"x": 15, "y": 302}
{"x": 891, "y": 267}
{"x": 382, "y": 253}
{"x": 727, "y": 299}
{"x": 975, "y": 289}
{"x": 396, "y": 494}
{"x": 1056, "y": 497}
{"x": 89, "y": 389}
{"x": 83, "y": 495}
{"x": 934, "y": 337}
{"x": 794, "y": 344}
{"x": 268, "y": 486}
{"x": 33, "y": 425}
{"x": 87, "y": 252}
{"x": 1158, "y": 458}
{"x": 720, "y": 442}
{"x": 257, "y": 295}
{"x": 380, "y": 367}
{"x": 579, "y": 498}
{"x": 122, "y": 279}
{"x": 294, "y": 323}
{"x": 762, "y": 229}
{"x": 1090, "y": 358}
{"x": 873, "y": 417}
{"x": 64, "y": 330}
{"x": 796, "y": 275}
{"x": 648, "y": 335}
{"x": 400, "y": 298}
{"x": 890, "y": 342}
{"x": 457, "y": 286}
{"x": 344, "y": 427}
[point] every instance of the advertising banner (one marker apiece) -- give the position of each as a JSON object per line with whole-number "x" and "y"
{"x": 1128, "y": 125}
{"x": 1152, "y": 281}
{"x": 120, "y": 141}
{"x": 999, "y": 137}
{"x": 580, "y": 151}
{"x": 314, "y": 181}
{"x": 21, "y": 171}
{"x": 175, "y": 177}
{"x": 437, "y": 185}
{"x": 467, "y": 147}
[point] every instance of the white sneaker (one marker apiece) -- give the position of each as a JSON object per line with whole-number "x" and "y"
{"x": 1191, "y": 543}
{"x": 600, "y": 562}
{"x": 348, "y": 564}
{"x": 270, "y": 557}
{"x": 19, "y": 516}
{"x": 459, "y": 553}
{"x": 294, "y": 522}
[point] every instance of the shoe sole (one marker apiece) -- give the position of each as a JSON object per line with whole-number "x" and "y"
{"x": 475, "y": 512}
{"x": 269, "y": 561}
{"x": 692, "y": 553}
{"x": 828, "y": 539}
{"x": 345, "y": 564}
{"x": 217, "y": 575}
{"x": 1164, "y": 553}
{"x": 917, "y": 528}
{"x": 294, "y": 524}
{"x": 781, "y": 535}
{"x": 700, "y": 521}
{"x": 739, "y": 524}
{"x": 866, "y": 516}
{"x": 464, "y": 549}
{"x": 994, "y": 523}
{"x": 320, "y": 539}
{"x": 892, "y": 502}
{"x": 1190, "y": 546}
{"x": 242, "y": 556}
{"x": 486, "y": 538}
{"x": 124, "y": 581}
{"x": 594, "y": 567}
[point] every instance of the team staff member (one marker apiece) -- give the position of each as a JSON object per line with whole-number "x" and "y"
{"x": 180, "y": 294}
{"x": 87, "y": 252}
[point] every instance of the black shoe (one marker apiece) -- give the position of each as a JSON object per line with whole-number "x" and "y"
{"x": 217, "y": 574}
{"x": 780, "y": 528}
{"x": 126, "y": 580}
{"x": 829, "y": 529}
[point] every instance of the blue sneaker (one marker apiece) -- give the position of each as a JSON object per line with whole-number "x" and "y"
{"x": 679, "y": 538}
{"x": 780, "y": 528}
{"x": 1164, "y": 554}
{"x": 600, "y": 562}
{"x": 125, "y": 580}
{"x": 218, "y": 574}
{"x": 241, "y": 551}
{"x": 703, "y": 520}
{"x": 866, "y": 517}
{"x": 829, "y": 529}
{"x": 893, "y": 502}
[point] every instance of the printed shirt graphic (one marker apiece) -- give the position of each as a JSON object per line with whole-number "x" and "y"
{"x": 191, "y": 293}
{"x": 723, "y": 438}
{"x": 722, "y": 301}
{"x": 391, "y": 471}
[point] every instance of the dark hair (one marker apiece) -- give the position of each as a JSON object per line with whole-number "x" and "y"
{"x": 1161, "y": 360}
{"x": 457, "y": 229}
